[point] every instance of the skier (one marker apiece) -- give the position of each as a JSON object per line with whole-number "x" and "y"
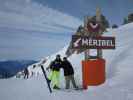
{"x": 55, "y": 71}
{"x": 26, "y": 73}
{"x": 68, "y": 73}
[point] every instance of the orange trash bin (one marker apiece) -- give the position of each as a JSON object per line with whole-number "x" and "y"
{"x": 93, "y": 72}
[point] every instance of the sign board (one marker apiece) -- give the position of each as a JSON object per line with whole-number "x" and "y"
{"x": 100, "y": 42}
{"x": 93, "y": 27}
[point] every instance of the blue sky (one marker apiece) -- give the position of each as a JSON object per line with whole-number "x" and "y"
{"x": 32, "y": 29}
{"x": 114, "y": 10}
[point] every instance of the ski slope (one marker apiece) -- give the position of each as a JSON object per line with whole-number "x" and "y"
{"x": 119, "y": 73}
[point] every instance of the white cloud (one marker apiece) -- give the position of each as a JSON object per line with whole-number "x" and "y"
{"x": 27, "y": 15}
{"x": 26, "y": 27}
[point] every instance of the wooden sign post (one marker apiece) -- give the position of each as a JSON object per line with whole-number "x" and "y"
{"x": 90, "y": 37}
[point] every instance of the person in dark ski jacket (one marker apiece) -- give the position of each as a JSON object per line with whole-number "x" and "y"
{"x": 68, "y": 73}
{"x": 55, "y": 71}
{"x": 26, "y": 73}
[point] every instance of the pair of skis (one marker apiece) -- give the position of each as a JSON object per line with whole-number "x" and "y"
{"x": 45, "y": 75}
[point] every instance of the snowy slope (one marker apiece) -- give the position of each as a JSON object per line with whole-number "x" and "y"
{"x": 118, "y": 85}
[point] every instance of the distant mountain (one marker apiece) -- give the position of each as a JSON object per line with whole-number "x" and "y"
{"x": 11, "y": 67}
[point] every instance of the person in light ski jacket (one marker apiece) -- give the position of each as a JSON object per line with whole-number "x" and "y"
{"x": 55, "y": 72}
{"x": 68, "y": 73}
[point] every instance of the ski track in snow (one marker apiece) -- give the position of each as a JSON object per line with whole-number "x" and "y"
{"x": 118, "y": 86}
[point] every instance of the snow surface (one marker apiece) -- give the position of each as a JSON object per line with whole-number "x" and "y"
{"x": 119, "y": 72}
